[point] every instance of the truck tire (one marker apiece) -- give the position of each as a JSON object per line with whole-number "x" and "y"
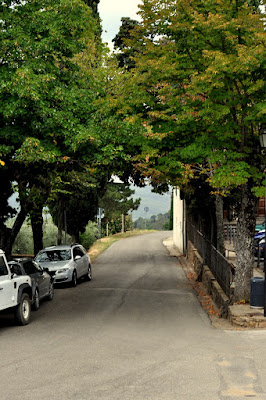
{"x": 51, "y": 292}
{"x": 36, "y": 301}
{"x": 23, "y": 310}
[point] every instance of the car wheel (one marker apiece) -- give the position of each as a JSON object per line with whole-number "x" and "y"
{"x": 23, "y": 309}
{"x": 88, "y": 276}
{"x": 36, "y": 301}
{"x": 51, "y": 292}
{"x": 74, "y": 279}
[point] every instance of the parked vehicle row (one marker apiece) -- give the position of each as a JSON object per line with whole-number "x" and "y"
{"x": 15, "y": 292}
{"x": 25, "y": 282}
{"x": 259, "y": 244}
{"x": 42, "y": 283}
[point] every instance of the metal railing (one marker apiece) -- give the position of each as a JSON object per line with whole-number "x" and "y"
{"x": 217, "y": 263}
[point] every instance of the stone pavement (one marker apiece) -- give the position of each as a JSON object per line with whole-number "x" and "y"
{"x": 240, "y": 316}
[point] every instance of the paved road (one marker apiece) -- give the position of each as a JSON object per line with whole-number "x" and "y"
{"x": 136, "y": 332}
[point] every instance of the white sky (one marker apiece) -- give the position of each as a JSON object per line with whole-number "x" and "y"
{"x": 111, "y": 12}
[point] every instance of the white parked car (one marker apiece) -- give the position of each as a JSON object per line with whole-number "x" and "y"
{"x": 66, "y": 263}
{"x": 15, "y": 292}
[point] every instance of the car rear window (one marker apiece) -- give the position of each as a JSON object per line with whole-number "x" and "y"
{"x": 53, "y": 255}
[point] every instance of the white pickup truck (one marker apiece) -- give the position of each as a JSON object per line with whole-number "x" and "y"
{"x": 15, "y": 292}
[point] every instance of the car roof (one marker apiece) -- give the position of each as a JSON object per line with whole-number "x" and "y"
{"x": 59, "y": 247}
{"x": 20, "y": 260}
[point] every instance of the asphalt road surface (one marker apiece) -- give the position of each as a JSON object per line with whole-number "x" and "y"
{"x": 136, "y": 331}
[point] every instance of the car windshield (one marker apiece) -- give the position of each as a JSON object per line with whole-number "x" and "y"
{"x": 54, "y": 255}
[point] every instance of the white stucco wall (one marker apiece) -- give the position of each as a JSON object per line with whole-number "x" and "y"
{"x": 179, "y": 223}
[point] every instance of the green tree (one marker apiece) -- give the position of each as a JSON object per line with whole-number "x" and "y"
{"x": 75, "y": 202}
{"x": 199, "y": 86}
{"x": 93, "y": 4}
{"x": 157, "y": 222}
{"x": 123, "y": 46}
{"x": 116, "y": 201}
{"x": 45, "y": 97}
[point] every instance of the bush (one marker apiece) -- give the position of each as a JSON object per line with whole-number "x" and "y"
{"x": 24, "y": 240}
{"x": 50, "y": 234}
{"x": 90, "y": 235}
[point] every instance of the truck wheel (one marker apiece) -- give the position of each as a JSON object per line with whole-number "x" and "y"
{"x": 51, "y": 292}
{"x": 36, "y": 301}
{"x": 22, "y": 310}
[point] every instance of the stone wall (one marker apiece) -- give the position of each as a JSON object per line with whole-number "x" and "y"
{"x": 204, "y": 274}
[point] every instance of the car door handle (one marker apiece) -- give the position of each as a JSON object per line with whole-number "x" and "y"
{"x": 1, "y": 288}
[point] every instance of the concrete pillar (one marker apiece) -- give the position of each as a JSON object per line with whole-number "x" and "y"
{"x": 179, "y": 221}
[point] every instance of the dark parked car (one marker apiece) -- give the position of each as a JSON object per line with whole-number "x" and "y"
{"x": 259, "y": 248}
{"x": 258, "y": 237}
{"x": 42, "y": 283}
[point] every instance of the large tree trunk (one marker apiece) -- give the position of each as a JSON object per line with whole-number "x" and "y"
{"x": 75, "y": 237}
{"x": 244, "y": 244}
{"x": 37, "y": 228}
{"x": 60, "y": 222}
{"x": 219, "y": 223}
{"x": 8, "y": 235}
{"x": 5, "y": 239}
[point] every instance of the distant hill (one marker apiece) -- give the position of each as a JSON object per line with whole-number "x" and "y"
{"x": 157, "y": 203}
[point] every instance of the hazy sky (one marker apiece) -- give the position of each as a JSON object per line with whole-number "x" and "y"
{"x": 111, "y": 12}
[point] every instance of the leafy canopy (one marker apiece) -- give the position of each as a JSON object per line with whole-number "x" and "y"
{"x": 199, "y": 88}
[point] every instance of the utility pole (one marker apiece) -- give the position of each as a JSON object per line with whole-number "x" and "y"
{"x": 99, "y": 221}
{"x": 123, "y": 223}
{"x": 146, "y": 209}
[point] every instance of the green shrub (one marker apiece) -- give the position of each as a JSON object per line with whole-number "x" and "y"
{"x": 24, "y": 241}
{"x": 90, "y": 235}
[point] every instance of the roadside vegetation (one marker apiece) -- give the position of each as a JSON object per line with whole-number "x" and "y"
{"x": 89, "y": 238}
{"x": 157, "y": 222}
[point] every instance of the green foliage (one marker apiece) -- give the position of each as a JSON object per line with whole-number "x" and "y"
{"x": 125, "y": 53}
{"x": 198, "y": 85}
{"x": 156, "y": 222}
{"x": 90, "y": 235}
{"x": 49, "y": 54}
{"x": 115, "y": 225}
{"x": 83, "y": 190}
{"x": 24, "y": 241}
{"x": 93, "y": 4}
{"x": 50, "y": 233}
{"x": 116, "y": 201}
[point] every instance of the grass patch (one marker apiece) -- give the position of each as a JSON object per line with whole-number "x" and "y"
{"x": 102, "y": 244}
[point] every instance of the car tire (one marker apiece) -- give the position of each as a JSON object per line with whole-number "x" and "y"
{"x": 51, "y": 292}
{"x": 88, "y": 276}
{"x": 74, "y": 279}
{"x": 23, "y": 310}
{"x": 36, "y": 301}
